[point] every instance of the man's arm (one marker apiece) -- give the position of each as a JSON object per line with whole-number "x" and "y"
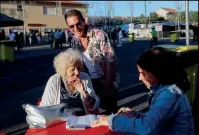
{"x": 110, "y": 57}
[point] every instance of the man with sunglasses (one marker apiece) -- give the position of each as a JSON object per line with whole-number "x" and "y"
{"x": 98, "y": 56}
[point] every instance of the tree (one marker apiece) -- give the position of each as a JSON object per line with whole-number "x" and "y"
{"x": 153, "y": 16}
{"x": 142, "y": 19}
{"x": 192, "y": 14}
{"x": 182, "y": 16}
{"x": 172, "y": 18}
{"x": 161, "y": 19}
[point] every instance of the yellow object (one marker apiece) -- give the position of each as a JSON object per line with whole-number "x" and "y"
{"x": 174, "y": 36}
{"x": 192, "y": 71}
{"x": 150, "y": 35}
{"x": 180, "y": 49}
{"x": 7, "y": 51}
{"x": 131, "y": 37}
{"x": 192, "y": 76}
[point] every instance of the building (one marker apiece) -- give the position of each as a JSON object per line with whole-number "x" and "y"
{"x": 39, "y": 14}
{"x": 166, "y": 13}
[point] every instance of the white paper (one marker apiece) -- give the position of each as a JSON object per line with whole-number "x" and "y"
{"x": 80, "y": 122}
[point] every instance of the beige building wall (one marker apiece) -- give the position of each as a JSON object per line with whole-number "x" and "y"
{"x": 34, "y": 15}
{"x": 162, "y": 13}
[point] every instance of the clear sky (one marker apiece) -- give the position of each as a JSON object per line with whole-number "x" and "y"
{"x": 122, "y": 8}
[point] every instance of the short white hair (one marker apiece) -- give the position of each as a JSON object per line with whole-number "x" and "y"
{"x": 66, "y": 59}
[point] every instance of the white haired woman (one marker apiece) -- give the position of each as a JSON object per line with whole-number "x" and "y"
{"x": 70, "y": 86}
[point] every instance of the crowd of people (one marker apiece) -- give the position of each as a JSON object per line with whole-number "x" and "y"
{"x": 87, "y": 79}
{"x": 59, "y": 37}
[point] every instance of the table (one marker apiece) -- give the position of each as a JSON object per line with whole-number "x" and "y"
{"x": 61, "y": 130}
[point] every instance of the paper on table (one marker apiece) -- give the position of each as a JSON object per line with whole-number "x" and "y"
{"x": 80, "y": 122}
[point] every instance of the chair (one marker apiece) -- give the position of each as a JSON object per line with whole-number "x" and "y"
{"x": 38, "y": 102}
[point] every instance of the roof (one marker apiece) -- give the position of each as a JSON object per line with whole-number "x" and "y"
{"x": 6, "y": 21}
{"x": 170, "y": 10}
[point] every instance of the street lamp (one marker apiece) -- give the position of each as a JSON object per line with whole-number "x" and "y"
{"x": 149, "y": 15}
{"x": 145, "y": 12}
{"x": 131, "y": 4}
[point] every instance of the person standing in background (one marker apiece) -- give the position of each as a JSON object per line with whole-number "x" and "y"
{"x": 51, "y": 38}
{"x": 153, "y": 36}
{"x": 113, "y": 35}
{"x": 12, "y": 36}
{"x": 120, "y": 36}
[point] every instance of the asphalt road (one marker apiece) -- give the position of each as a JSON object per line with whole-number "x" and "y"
{"x": 23, "y": 82}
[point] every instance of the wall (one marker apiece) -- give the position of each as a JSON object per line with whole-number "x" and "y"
{"x": 161, "y": 12}
{"x": 34, "y": 15}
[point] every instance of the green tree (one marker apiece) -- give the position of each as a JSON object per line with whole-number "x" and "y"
{"x": 142, "y": 19}
{"x": 193, "y": 15}
{"x": 153, "y": 16}
{"x": 161, "y": 19}
{"x": 182, "y": 16}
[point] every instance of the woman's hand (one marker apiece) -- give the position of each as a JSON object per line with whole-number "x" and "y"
{"x": 80, "y": 87}
{"x": 102, "y": 121}
{"x": 124, "y": 109}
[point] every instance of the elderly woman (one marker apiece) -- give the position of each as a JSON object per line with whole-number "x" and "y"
{"x": 170, "y": 111}
{"x": 70, "y": 86}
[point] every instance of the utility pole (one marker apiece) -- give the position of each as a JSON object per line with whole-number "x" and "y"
{"x": 145, "y": 12}
{"x": 187, "y": 22}
{"x": 24, "y": 20}
{"x": 131, "y": 4}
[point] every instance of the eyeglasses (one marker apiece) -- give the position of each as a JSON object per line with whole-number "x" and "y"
{"x": 77, "y": 25}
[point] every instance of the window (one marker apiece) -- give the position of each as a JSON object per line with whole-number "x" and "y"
{"x": 19, "y": 8}
{"x": 65, "y": 9}
{"x": 32, "y": 2}
{"x": 49, "y": 10}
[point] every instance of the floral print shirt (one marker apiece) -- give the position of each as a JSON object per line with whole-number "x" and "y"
{"x": 100, "y": 49}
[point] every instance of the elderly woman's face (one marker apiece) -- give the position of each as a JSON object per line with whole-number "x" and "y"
{"x": 147, "y": 78}
{"x": 73, "y": 73}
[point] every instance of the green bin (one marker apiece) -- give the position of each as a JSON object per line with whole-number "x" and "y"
{"x": 188, "y": 56}
{"x": 7, "y": 50}
{"x": 174, "y": 36}
{"x": 131, "y": 37}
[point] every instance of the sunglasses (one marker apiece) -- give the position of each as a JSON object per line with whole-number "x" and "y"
{"x": 77, "y": 25}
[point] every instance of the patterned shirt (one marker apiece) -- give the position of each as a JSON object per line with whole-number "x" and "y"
{"x": 100, "y": 49}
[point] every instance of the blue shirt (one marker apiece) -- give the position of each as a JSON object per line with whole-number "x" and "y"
{"x": 169, "y": 114}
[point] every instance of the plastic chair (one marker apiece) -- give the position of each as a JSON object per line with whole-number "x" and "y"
{"x": 38, "y": 102}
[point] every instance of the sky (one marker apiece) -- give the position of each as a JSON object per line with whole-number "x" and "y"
{"x": 122, "y": 8}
